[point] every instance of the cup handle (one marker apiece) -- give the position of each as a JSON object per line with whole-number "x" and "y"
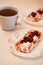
{"x": 18, "y": 20}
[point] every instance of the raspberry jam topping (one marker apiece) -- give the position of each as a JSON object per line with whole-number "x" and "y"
{"x": 40, "y": 12}
{"x": 33, "y": 14}
{"x": 30, "y": 37}
{"x": 36, "y": 33}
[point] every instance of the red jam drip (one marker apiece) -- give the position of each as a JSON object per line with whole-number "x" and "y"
{"x": 33, "y": 14}
{"x": 40, "y": 12}
{"x": 30, "y": 37}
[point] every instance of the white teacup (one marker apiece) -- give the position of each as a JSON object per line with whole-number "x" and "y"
{"x": 8, "y": 19}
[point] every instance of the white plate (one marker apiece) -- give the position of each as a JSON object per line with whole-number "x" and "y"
{"x": 36, "y": 52}
{"x": 24, "y": 18}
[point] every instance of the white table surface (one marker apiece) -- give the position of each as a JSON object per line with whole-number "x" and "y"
{"x": 7, "y": 58}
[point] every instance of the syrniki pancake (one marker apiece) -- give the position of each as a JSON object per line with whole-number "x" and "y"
{"x": 29, "y": 41}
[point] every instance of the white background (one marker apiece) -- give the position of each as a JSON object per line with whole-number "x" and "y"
{"x": 6, "y": 58}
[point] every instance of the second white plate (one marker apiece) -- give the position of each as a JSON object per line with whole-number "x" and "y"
{"x": 24, "y": 18}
